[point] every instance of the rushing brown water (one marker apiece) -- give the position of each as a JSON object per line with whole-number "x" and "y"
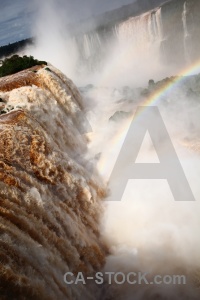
{"x": 49, "y": 205}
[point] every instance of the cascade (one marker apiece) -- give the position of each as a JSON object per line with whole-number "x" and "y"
{"x": 142, "y": 31}
{"x": 50, "y": 205}
{"x": 186, "y": 34}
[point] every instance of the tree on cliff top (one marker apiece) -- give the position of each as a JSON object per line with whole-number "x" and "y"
{"x": 16, "y": 63}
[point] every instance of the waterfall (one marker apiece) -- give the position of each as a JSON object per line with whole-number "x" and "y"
{"x": 50, "y": 204}
{"x": 91, "y": 43}
{"x": 158, "y": 24}
{"x": 186, "y": 34}
{"x": 167, "y": 34}
{"x": 142, "y": 31}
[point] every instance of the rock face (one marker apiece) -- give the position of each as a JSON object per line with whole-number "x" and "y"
{"x": 171, "y": 28}
{"x": 49, "y": 203}
{"x": 181, "y": 35}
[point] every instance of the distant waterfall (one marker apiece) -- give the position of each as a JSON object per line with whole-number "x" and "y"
{"x": 186, "y": 34}
{"x": 167, "y": 36}
{"x": 157, "y": 18}
{"x": 141, "y": 34}
{"x": 91, "y": 43}
{"x": 90, "y": 47}
{"x": 94, "y": 47}
{"x": 142, "y": 31}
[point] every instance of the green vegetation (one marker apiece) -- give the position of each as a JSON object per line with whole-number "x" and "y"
{"x": 16, "y": 63}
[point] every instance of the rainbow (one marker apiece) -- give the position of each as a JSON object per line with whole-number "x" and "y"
{"x": 106, "y": 163}
{"x": 168, "y": 86}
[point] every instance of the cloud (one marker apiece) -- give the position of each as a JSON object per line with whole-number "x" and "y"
{"x": 15, "y": 20}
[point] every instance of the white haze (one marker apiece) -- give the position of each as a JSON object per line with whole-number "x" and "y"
{"x": 147, "y": 230}
{"x": 131, "y": 60}
{"x": 53, "y": 42}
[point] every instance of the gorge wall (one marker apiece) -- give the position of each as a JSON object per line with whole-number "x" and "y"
{"x": 172, "y": 28}
{"x": 163, "y": 32}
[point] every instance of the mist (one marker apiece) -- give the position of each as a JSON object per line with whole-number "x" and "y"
{"x": 124, "y": 58}
{"x": 147, "y": 230}
{"x": 52, "y": 41}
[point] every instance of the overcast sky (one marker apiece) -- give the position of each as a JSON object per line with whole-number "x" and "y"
{"x": 17, "y": 16}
